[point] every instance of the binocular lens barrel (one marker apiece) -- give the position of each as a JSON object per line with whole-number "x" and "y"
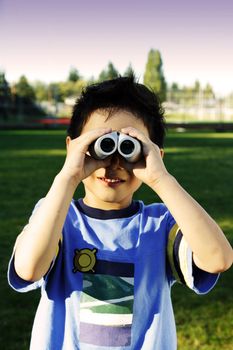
{"x": 127, "y": 147}
{"x": 107, "y": 145}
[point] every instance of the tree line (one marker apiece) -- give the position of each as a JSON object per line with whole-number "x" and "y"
{"x": 22, "y": 99}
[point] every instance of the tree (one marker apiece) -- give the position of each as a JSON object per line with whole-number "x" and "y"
{"x": 109, "y": 73}
{"x": 5, "y": 97}
{"x": 71, "y": 89}
{"x": 54, "y": 92}
{"x": 74, "y": 75}
{"x": 129, "y": 71}
{"x": 4, "y": 86}
{"x": 174, "y": 87}
{"x": 197, "y": 87}
{"x": 174, "y": 92}
{"x": 208, "y": 92}
{"x": 25, "y": 101}
{"x": 41, "y": 91}
{"x": 24, "y": 89}
{"x": 154, "y": 76}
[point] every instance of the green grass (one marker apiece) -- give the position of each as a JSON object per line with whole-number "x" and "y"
{"x": 202, "y": 162}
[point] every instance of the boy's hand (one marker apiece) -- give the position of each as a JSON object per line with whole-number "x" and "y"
{"x": 78, "y": 164}
{"x": 151, "y": 169}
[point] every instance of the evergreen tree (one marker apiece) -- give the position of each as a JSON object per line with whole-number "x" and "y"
{"x": 24, "y": 89}
{"x": 129, "y": 71}
{"x": 5, "y": 97}
{"x": 175, "y": 87}
{"x": 25, "y": 101}
{"x": 174, "y": 92}
{"x": 4, "y": 86}
{"x": 74, "y": 75}
{"x": 154, "y": 76}
{"x": 109, "y": 73}
{"x": 197, "y": 86}
{"x": 208, "y": 92}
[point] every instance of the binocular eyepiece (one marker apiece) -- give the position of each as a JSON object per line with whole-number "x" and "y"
{"x": 127, "y": 146}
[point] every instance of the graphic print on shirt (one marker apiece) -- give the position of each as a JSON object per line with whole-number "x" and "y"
{"x": 84, "y": 260}
{"x": 106, "y": 309}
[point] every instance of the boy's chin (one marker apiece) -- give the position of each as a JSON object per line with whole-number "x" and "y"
{"x": 109, "y": 202}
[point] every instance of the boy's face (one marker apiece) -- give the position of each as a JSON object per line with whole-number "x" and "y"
{"x": 112, "y": 187}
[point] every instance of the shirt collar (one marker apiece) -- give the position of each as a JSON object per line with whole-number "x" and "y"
{"x": 96, "y": 213}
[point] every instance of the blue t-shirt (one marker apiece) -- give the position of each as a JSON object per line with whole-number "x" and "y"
{"x": 109, "y": 286}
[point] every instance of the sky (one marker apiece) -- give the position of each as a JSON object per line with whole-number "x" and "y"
{"x": 44, "y": 39}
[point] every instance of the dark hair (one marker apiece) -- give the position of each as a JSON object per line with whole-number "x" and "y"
{"x": 122, "y": 93}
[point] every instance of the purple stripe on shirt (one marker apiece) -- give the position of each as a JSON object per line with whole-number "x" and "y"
{"x": 105, "y": 335}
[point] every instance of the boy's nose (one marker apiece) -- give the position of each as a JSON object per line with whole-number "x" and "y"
{"x": 115, "y": 161}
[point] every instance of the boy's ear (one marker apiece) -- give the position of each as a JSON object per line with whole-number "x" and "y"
{"x": 68, "y": 139}
{"x": 162, "y": 152}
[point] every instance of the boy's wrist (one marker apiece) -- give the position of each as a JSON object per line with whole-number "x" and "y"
{"x": 162, "y": 183}
{"x": 67, "y": 180}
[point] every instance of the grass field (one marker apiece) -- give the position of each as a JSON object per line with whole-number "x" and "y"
{"x": 202, "y": 162}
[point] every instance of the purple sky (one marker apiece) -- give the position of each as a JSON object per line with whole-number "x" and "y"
{"x": 44, "y": 39}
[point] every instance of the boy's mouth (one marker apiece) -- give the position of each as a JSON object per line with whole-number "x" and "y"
{"x": 111, "y": 181}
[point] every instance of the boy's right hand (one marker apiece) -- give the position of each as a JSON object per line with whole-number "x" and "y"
{"x": 41, "y": 237}
{"x": 78, "y": 164}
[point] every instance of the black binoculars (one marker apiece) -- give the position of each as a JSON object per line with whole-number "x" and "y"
{"x": 128, "y": 147}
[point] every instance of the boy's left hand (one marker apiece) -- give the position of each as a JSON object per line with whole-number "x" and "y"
{"x": 151, "y": 169}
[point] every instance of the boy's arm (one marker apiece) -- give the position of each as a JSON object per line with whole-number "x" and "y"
{"x": 211, "y": 250}
{"x": 37, "y": 245}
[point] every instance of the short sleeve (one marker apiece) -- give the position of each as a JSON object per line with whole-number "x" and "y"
{"x": 19, "y": 284}
{"x": 15, "y": 281}
{"x": 183, "y": 268}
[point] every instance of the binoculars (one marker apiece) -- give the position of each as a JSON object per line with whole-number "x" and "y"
{"x": 128, "y": 147}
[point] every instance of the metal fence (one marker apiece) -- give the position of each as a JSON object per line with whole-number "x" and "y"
{"x": 198, "y": 106}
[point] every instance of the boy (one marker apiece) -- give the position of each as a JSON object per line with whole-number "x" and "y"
{"x": 105, "y": 263}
